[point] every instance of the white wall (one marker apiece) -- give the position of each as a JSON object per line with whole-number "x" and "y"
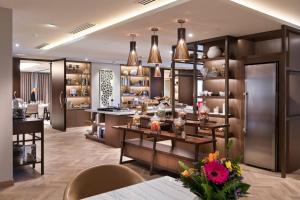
{"x": 95, "y": 82}
{"x": 6, "y": 95}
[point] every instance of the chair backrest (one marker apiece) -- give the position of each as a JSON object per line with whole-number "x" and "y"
{"x": 32, "y": 108}
{"x": 100, "y": 179}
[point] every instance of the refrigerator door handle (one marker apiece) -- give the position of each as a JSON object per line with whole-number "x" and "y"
{"x": 245, "y": 108}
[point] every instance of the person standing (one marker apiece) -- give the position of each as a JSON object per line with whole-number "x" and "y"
{"x": 32, "y": 95}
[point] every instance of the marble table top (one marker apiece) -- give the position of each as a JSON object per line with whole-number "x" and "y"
{"x": 164, "y": 188}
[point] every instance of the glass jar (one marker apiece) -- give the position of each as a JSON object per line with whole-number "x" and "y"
{"x": 179, "y": 126}
{"x": 161, "y": 110}
{"x": 144, "y": 107}
{"x": 155, "y": 123}
{"x": 203, "y": 113}
{"x": 136, "y": 120}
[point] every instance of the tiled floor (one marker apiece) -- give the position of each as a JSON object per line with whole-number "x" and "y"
{"x": 68, "y": 153}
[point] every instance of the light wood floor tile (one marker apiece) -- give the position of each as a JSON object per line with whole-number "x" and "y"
{"x": 68, "y": 153}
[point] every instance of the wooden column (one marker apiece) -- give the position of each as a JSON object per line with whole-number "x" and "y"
{"x": 16, "y": 77}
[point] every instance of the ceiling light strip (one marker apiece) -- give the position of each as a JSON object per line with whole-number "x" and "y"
{"x": 278, "y": 14}
{"x": 111, "y": 22}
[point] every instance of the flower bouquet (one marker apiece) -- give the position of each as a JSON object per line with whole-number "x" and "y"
{"x": 215, "y": 178}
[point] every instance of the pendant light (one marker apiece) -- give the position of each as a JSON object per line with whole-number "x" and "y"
{"x": 157, "y": 72}
{"x": 181, "y": 51}
{"x": 132, "y": 57}
{"x": 140, "y": 68}
{"x": 154, "y": 55}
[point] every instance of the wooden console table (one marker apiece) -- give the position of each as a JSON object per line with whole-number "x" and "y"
{"x": 30, "y": 127}
{"x": 155, "y": 147}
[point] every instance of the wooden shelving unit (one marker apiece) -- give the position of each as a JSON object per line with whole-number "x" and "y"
{"x": 78, "y": 92}
{"x": 78, "y": 85}
{"x": 132, "y": 84}
{"x": 230, "y": 82}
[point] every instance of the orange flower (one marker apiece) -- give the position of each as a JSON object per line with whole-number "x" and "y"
{"x": 185, "y": 173}
{"x": 213, "y": 156}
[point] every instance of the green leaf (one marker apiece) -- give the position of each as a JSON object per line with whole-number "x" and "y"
{"x": 229, "y": 145}
{"x": 230, "y": 186}
{"x": 244, "y": 187}
{"x": 220, "y": 195}
{"x": 208, "y": 191}
{"x": 183, "y": 165}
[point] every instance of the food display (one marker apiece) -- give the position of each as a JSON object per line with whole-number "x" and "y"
{"x": 136, "y": 120}
{"x": 179, "y": 126}
{"x": 155, "y": 123}
{"x": 144, "y": 107}
{"x": 203, "y": 113}
{"x": 161, "y": 110}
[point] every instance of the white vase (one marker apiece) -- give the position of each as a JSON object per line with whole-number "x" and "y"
{"x": 214, "y": 52}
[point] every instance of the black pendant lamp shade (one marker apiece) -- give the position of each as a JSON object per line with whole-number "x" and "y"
{"x": 181, "y": 51}
{"x": 132, "y": 57}
{"x": 154, "y": 55}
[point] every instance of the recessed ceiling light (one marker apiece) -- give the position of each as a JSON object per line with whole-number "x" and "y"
{"x": 17, "y": 44}
{"x": 170, "y": 52}
{"x": 50, "y": 26}
{"x": 113, "y": 21}
{"x": 190, "y": 35}
{"x": 86, "y": 59}
{"x": 264, "y": 8}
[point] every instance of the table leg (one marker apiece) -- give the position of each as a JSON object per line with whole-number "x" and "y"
{"x": 197, "y": 152}
{"x": 173, "y": 143}
{"x": 23, "y": 139}
{"x": 153, "y": 155}
{"x": 42, "y": 150}
{"x": 141, "y": 138}
{"x": 214, "y": 139}
{"x": 33, "y": 142}
{"x": 122, "y": 147}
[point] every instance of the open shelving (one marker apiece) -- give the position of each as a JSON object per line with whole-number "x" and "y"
{"x": 229, "y": 81}
{"x": 78, "y": 85}
{"x": 133, "y": 84}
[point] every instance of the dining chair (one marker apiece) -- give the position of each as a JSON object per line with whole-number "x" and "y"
{"x": 32, "y": 109}
{"x": 100, "y": 179}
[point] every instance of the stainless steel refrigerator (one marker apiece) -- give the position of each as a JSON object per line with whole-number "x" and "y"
{"x": 260, "y": 115}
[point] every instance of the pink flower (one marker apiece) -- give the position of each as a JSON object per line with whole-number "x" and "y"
{"x": 216, "y": 172}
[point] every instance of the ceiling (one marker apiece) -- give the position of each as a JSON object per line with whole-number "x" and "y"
{"x": 206, "y": 19}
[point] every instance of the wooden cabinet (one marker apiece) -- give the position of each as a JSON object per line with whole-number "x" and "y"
{"x": 71, "y": 93}
{"x": 78, "y": 92}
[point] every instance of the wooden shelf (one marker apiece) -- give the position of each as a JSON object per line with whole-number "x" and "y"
{"x": 218, "y": 134}
{"x": 136, "y": 86}
{"x": 213, "y": 97}
{"x": 72, "y": 109}
{"x": 135, "y": 76}
{"x": 211, "y": 78}
{"x": 211, "y": 59}
{"x": 219, "y": 115}
{"x": 38, "y": 160}
{"x": 77, "y": 85}
{"x": 78, "y": 73}
{"x": 162, "y": 148}
{"x": 73, "y": 97}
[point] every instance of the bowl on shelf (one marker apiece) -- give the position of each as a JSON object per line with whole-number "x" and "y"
{"x": 214, "y": 52}
{"x": 133, "y": 72}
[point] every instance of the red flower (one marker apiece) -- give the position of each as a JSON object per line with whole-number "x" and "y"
{"x": 216, "y": 172}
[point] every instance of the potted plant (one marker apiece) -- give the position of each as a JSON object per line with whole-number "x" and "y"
{"x": 215, "y": 178}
